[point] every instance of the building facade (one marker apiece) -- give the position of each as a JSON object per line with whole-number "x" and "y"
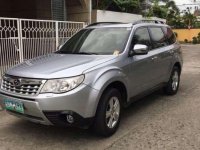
{"x": 192, "y": 5}
{"x": 71, "y": 10}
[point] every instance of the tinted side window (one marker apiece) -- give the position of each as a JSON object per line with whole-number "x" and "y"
{"x": 141, "y": 36}
{"x": 158, "y": 37}
{"x": 170, "y": 35}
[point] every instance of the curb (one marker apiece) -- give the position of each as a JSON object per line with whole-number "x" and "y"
{"x": 190, "y": 44}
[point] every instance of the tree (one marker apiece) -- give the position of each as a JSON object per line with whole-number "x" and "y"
{"x": 156, "y": 10}
{"x": 171, "y": 5}
{"x": 129, "y": 6}
{"x": 189, "y": 19}
{"x": 101, "y": 4}
{"x": 175, "y": 21}
{"x": 163, "y": 11}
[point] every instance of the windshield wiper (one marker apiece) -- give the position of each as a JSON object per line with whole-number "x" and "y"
{"x": 86, "y": 53}
{"x": 62, "y": 52}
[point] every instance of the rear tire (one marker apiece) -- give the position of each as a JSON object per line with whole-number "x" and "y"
{"x": 108, "y": 113}
{"x": 173, "y": 84}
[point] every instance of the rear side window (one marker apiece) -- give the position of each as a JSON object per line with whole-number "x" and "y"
{"x": 142, "y": 36}
{"x": 170, "y": 35}
{"x": 158, "y": 37}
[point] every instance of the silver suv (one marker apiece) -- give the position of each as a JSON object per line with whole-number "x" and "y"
{"x": 100, "y": 70}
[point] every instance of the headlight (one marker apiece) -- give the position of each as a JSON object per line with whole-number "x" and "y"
{"x": 62, "y": 85}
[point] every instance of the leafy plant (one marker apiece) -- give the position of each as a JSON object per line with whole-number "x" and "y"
{"x": 198, "y": 37}
{"x": 176, "y": 34}
{"x": 186, "y": 40}
{"x": 194, "y": 40}
{"x": 129, "y": 6}
{"x": 189, "y": 19}
{"x": 169, "y": 11}
{"x": 164, "y": 11}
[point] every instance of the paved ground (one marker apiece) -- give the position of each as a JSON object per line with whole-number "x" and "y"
{"x": 155, "y": 122}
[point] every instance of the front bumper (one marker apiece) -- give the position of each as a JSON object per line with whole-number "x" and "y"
{"x": 51, "y": 109}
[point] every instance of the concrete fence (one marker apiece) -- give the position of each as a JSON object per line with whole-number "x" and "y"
{"x": 186, "y": 33}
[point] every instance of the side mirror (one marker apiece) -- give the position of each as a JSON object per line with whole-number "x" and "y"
{"x": 139, "y": 49}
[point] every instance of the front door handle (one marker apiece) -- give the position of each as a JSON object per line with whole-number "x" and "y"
{"x": 154, "y": 58}
{"x": 171, "y": 52}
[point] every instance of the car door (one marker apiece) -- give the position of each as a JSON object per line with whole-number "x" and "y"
{"x": 162, "y": 54}
{"x": 171, "y": 49}
{"x": 142, "y": 69}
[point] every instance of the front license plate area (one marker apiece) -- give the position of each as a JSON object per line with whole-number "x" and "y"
{"x": 14, "y": 105}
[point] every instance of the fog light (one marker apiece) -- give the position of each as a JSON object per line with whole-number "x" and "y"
{"x": 70, "y": 118}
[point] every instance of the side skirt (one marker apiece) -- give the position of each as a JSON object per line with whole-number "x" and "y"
{"x": 145, "y": 93}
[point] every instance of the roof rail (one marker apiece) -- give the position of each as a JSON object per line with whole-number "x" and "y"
{"x": 103, "y": 23}
{"x": 149, "y": 21}
{"x": 136, "y": 22}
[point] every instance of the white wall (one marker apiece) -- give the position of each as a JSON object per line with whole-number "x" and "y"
{"x": 110, "y": 16}
{"x": 192, "y": 7}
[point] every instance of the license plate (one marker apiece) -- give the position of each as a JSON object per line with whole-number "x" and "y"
{"x": 14, "y": 106}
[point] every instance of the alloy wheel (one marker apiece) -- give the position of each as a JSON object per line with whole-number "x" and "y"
{"x": 175, "y": 80}
{"x": 112, "y": 112}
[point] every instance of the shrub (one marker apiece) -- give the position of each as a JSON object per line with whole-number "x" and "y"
{"x": 194, "y": 40}
{"x": 176, "y": 34}
{"x": 198, "y": 37}
{"x": 186, "y": 40}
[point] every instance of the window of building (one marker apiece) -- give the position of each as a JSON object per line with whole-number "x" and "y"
{"x": 58, "y": 10}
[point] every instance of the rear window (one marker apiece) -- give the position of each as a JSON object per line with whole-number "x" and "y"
{"x": 158, "y": 37}
{"x": 170, "y": 35}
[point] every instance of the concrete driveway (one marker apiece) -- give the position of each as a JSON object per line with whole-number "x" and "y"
{"x": 155, "y": 122}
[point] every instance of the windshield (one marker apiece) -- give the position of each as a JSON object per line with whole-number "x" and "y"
{"x": 99, "y": 41}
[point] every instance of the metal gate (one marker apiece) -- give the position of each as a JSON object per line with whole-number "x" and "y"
{"x": 22, "y": 39}
{"x": 9, "y": 44}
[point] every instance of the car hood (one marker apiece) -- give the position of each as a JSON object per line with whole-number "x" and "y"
{"x": 57, "y": 65}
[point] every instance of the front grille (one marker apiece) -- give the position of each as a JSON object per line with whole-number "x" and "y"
{"x": 21, "y": 86}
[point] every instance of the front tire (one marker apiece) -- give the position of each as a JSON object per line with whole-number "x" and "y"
{"x": 173, "y": 83}
{"x": 108, "y": 113}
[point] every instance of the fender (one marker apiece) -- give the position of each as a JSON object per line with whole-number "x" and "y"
{"x": 177, "y": 58}
{"x": 102, "y": 79}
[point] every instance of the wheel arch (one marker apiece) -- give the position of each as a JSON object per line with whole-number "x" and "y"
{"x": 104, "y": 79}
{"x": 178, "y": 64}
{"x": 120, "y": 86}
